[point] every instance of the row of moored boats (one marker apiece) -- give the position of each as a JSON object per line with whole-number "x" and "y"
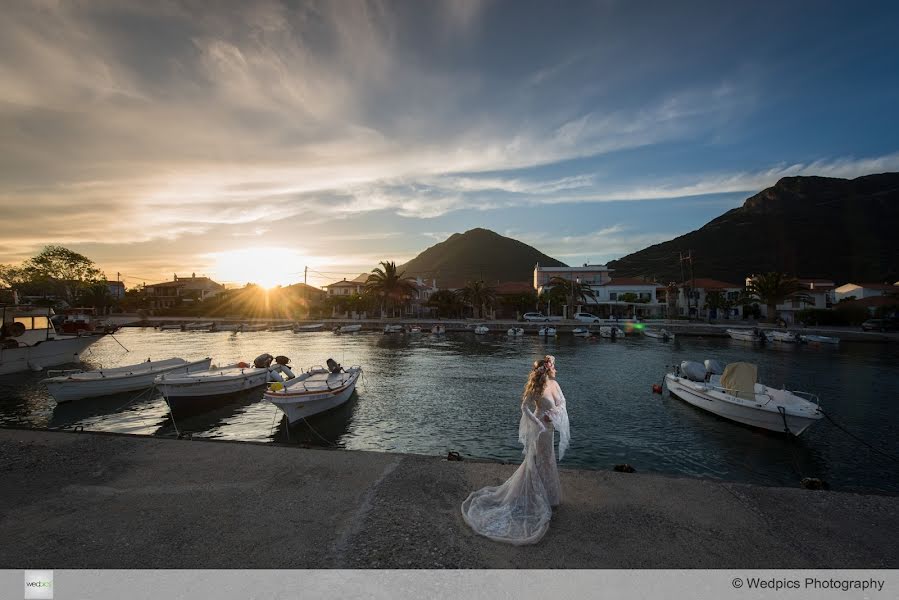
{"x": 784, "y": 337}
{"x": 241, "y": 327}
{"x": 188, "y": 386}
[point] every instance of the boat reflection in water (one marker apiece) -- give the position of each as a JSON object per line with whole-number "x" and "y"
{"x": 328, "y": 429}
{"x": 142, "y": 413}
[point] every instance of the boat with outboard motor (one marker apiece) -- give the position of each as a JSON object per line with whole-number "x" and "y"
{"x": 76, "y": 385}
{"x": 515, "y": 331}
{"x": 785, "y": 337}
{"x": 734, "y": 393}
{"x": 348, "y": 329}
{"x": 581, "y": 332}
{"x": 393, "y": 329}
{"x": 317, "y": 390}
{"x": 481, "y": 330}
{"x": 659, "y": 334}
{"x": 308, "y": 328}
{"x": 29, "y": 341}
{"x": 746, "y": 335}
{"x": 612, "y": 332}
{"x": 184, "y": 391}
{"x": 818, "y": 339}
{"x": 438, "y": 329}
{"x": 547, "y": 332}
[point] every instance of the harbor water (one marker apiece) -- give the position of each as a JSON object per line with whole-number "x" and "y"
{"x": 459, "y": 392}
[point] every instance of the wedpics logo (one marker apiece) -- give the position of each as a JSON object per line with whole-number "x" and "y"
{"x": 39, "y": 585}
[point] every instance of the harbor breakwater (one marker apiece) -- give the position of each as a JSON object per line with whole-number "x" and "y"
{"x": 85, "y": 500}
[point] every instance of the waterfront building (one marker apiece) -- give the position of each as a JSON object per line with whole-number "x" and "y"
{"x": 865, "y": 290}
{"x": 183, "y": 290}
{"x": 352, "y": 287}
{"x": 693, "y": 299}
{"x": 619, "y": 297}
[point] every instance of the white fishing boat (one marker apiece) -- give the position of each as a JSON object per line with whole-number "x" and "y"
{"x": 282, "y": 327}
{"x": 481, "y": 330}
{"x": 183, "y": 391}
{"x": 348, "y": 329}
{"x": 171, "y": 327}
{"x": 659, "y": 334}
{"x": 75, "y": 385}
{"x": 547, "y": 332}
{"x": 581, "y": 332}
{"x": 199, "y": 326}
{"x": 309, "y": 327}
{"x": 734, "y": 393}
{"x": 611, "y": 331}
{"x": 317, "y": 390}
{"x": 393, "y": 329}
{"x": 746, "y": 335}
{"x": 438, "y": 330}
{"x": 515, "y": 332}
{"x": 29, "y": 341}
{"x": 785, "y": 337}
{"x": 818, "y": 339}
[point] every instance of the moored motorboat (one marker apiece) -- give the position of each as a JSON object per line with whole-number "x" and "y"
{"x": 438, "y": 330}
{"x": 281, "y": 327}
{"x": 786, "y": 337}
{"x": 746, "y": 335}
{"x": 481, "y": 330}
{"x": 76, "y": 385}
{"x": 393, "y": 329}
{"x": 735, "y": 394}
{"x": 659, "y": 334}
{"x": 581, "y": 332}
{"x": 187, "y": 391}
{"x": 819, "y": 339}
{"x": 348, "y": 329}
{"x": 254, "y": 327}
{"x": 611, "y": 331}
{"x": 547, "y": 332}
{"x": 415, "y": 330}
{"x": 309, "y": 327}
{"x": 28, "y": 341}
{"x": 515, "y": 332}
{"x": 317, "y": 390}
{"x": 228, "y": 327}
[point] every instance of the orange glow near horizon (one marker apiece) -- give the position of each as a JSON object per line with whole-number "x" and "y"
{"x": 265, "y": 266}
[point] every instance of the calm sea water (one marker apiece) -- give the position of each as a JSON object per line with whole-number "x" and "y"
{"x": 429, "y": 395}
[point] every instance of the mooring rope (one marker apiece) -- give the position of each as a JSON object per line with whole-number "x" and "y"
{"x": 892, "y": 457}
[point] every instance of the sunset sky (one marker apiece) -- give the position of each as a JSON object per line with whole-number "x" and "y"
{"x": 248, "y": 140}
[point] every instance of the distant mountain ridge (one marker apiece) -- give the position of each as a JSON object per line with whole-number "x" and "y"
{"x": 477, "y": 254}
{"x": 839, "y": 229}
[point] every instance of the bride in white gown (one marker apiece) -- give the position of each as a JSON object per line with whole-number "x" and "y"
{"x": 518, "y": 511}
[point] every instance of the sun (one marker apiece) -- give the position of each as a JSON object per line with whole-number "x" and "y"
{"x": 264, "y": 266}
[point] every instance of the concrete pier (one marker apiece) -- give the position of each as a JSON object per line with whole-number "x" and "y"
{"x": 84, "y": 500}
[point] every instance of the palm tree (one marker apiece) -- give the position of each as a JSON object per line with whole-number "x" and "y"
{"x": 445, "y": 301}
{"x": 388, "y": 285}
{"x": 573, "y": 290}
{"x": 478, "y": 295}
{"x": 775, "y": 288}
{"x": 715, "y": 300}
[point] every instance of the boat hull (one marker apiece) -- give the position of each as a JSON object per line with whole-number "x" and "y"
{"x": 300, "y": 406}
{"x": 691, "y": 393}
{"x": 743, "y": 336}
{"x": 50, "y": 353}
{"x": 67, "y": 390}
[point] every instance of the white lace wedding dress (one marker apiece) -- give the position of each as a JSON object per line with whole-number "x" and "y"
{"x": 518, "y": 511}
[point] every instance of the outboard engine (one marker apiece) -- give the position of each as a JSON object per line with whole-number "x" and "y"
{"x": 282, "y": 360}
{"x": 334, "y": 366}
{"x": 263, "y": 361}
{"x": 693, "y": 371}
{"x": 713, "y": 367}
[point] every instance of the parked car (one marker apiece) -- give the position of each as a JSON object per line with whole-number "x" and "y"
{"x": 586, "y": 317}
{"x": 881, "y": 325}
{"x": 539, "y": 316}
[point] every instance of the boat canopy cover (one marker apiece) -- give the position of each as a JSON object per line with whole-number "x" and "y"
{"x": 739, "y": 379}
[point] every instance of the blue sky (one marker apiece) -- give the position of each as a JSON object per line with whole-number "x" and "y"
{"x": 247, "y": 140}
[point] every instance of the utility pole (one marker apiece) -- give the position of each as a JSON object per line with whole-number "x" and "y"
{"x": 306, "y": 289}
{"x": 689, "y": 259}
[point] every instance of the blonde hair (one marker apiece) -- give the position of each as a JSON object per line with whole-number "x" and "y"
{"x": 537, "y": 378}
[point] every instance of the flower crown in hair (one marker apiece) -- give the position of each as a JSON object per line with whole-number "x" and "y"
{"x": 545, "y": 363}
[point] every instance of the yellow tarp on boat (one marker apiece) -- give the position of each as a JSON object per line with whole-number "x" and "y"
{"x": 739, "y": 379}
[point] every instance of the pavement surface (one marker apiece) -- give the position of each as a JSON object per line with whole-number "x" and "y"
{"x": 85, "y": 500}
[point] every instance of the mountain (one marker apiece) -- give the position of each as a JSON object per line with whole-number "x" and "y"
{"x": 477, "y": 254}
{"x": 839, "y": 229}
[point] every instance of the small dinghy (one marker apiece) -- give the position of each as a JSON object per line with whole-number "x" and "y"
{"x": 438, "y": 330}
{"x": 581, "y": 332}
{"x": 287, "y": 327}
{"x": 206, "y": 326}
{"x": 547, "y": 332}
{"x": 659, "y": 334}
{"x": 746, "y": 335}
{"x": 734, "y": 393}
{"x": 348, "y": 329}
{"x": 481, "y": 330}
{"x": 818, "y": 339}
{"x": 612, "y": 332}
{"x": 393, "y": 329}
{"x": 254, "y": 327}
{"x": 415, "y": 330}
{"x": 317, "y": 390}
{"x": 77, "y": 385}
{"x": 309, "y": 327}
{"x": 515, "y": 332}
{"x": 228, "y": 327}
{"x": 185, "y": 392}
{"x": 785, "y": 337}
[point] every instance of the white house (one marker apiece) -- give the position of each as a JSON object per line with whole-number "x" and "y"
{"x": 693, "y": 296}
{"x": 608, "y": 291}
{"x": 865, "y": 290}
{"x": 182, "y": 289}
{"x": 347, "y": 288}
